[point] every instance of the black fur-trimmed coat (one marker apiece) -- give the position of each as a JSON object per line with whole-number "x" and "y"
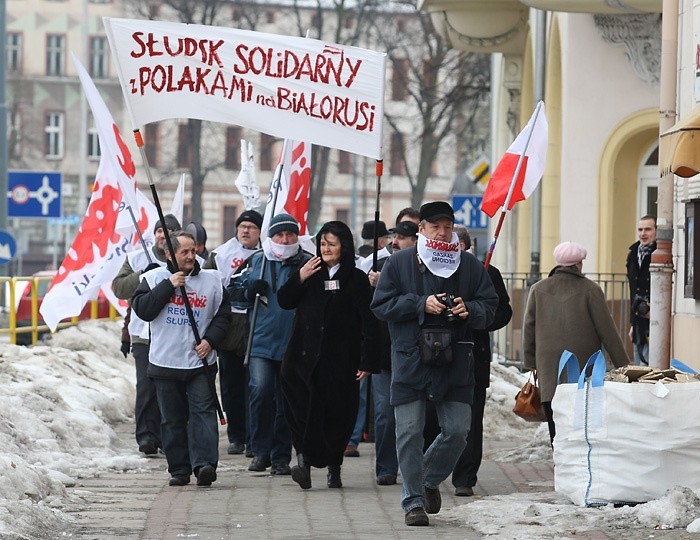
{"x": 334, "y": 334}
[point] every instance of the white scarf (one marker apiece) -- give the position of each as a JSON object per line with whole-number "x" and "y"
{"x": 441, "y": 258}
{"x": 279, "y": 252}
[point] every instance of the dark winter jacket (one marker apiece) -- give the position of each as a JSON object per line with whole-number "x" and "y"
{"x": 398, "y": 301}
{"x": 639, "y": 279}
{"x": 482, "y": 338}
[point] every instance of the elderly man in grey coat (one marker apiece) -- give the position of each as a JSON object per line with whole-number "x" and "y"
{"x": 432, "y": 296}
{"x": 566, "y": 311}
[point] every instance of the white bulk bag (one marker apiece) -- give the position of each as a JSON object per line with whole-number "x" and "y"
{"x": 623, "y": 442}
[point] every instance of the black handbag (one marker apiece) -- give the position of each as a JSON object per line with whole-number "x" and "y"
{"x": 436, "y": 346}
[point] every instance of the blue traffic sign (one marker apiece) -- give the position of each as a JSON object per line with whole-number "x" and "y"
{"x": 8, "y": 247}
{"x": 34, "y": 194}
{"x": 468, "y": 211}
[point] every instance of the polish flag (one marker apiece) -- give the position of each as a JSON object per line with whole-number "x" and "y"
{"x": 532, "y": 145}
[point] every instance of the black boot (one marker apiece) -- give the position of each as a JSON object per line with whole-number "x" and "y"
{"x": 301, "y": 473}
{"x": 334, "y": 476}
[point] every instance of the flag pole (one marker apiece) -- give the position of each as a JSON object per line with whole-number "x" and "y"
{"x": 511, "y": 189}
{"x": 140, "y": 234}
{"x": 379, "y": 167}
{"x": 183, "y": 290}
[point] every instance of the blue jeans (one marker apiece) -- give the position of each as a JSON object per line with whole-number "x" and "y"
{"x": 384, "y": 426}
{"x": 430, "y": 469}
{"x": 356, "y": 436}
{"x": 189, "y": 426}
{"x": 269, "y": 432}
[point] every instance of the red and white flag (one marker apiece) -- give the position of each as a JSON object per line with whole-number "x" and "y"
{"x": 98, "y": 250}
{"x": 294, "y": 185}
{"x": 531, "y": 143}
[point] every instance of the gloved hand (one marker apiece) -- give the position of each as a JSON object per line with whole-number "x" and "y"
{"x": 151, "y": 266}
{"x": 259, "y": 286}
{"x": 126, "y": 347}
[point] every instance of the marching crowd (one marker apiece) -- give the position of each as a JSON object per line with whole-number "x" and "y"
{"x": 304, "y": 342}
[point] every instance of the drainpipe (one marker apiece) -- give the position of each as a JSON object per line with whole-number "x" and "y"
{"x": 661, "y": 268}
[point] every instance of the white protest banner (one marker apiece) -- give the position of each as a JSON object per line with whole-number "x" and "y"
{"x": 289, "y": 87}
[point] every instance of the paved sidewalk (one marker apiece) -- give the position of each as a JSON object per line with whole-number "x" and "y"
{"x": 247, "y": 505}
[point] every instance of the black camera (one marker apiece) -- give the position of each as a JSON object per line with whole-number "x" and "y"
{"x": 640, "y": 305}
{"x": 449, "y": 302}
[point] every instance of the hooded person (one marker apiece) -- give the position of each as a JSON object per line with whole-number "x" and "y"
{"x": 262, "y": 275}
{"x": 333, "y": 346}
{"x": 566, "y": 311}
{"x": 147, "y": 413}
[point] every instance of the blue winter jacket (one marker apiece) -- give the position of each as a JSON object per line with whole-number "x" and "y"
{"x": 273, "y": 325}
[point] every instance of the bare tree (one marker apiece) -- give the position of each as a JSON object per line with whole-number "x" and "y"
{"x": 445, "y": 90}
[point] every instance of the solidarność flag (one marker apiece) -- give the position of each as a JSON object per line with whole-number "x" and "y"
{"x": 530, "y": 146}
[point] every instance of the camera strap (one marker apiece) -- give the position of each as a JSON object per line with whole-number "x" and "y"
{"x": 451, "y": 283}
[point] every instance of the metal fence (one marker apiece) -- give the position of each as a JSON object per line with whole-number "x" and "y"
{"x": 507, "y": 343}
{"x": 22, "y": 296}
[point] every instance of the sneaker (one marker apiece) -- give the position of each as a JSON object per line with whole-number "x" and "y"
{"x": 179, "y": 481}
{"x": 280, "y": 469}
{"x": 433, "y": 501}
{"x": 351, "y": 451}
{"x": 205, "y": 475}
{"x": 416, "y": 517}
{"x": 236, "y": 448}
{"x": 148, "y": 447}
{"x": 259, "y": 464}
{"x": 386, "y": 480}
{"x": 464, "y": 491}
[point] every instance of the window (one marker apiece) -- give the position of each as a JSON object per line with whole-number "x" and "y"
{"x": 342, "y": 214}
{"x": 184, "y": 149}
{"x": 55, "y": 52}
{"x": 233, "y": 149}
{"x": 186, "y": 213}
{"x": 270, "y": 16}
{"x": 150, "y": 142}
{"x": 53, "y": 132}
{"x": 14, "y": 52}
{"x": 401, "y": 25}
{"x": 344, "y": 163}
{"x": 229, "y": 222}
{"x": 399, "y": 79}
{"x": 94, "y": 151}
{"x": 397, "y": 167}
{"x": 98, "y": 57}
{"x": 348, "y": 23}
{"x": 315, "y": 20}
{"x": 266, "y": 142}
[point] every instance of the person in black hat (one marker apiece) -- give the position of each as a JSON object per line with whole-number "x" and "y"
{"x": 367, "y": 235}
{"x": 437, "y": 294}
{"x": 199, "y": 233}
{"x": 124, "y": 285}
{"x": 404, "y": 235}
{"x": 228, "y": 259}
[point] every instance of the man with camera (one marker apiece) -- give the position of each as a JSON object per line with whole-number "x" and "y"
{"x": 638, "y": 261}
{"x": 432, "y": 297}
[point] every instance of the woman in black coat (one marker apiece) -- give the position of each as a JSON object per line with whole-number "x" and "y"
{"x": 332, "y": 347}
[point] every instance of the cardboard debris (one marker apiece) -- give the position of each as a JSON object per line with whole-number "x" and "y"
{"x": 644, "y": 374}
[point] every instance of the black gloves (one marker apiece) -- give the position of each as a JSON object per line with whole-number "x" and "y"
{"x": 126, "y": 347}
{"x": 151, "y": 266}
{"x": 259, "y": 286}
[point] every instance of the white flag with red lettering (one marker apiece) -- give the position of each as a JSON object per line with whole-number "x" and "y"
{"x": 98, "y": 251}
{"x": 294, "y": 185}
